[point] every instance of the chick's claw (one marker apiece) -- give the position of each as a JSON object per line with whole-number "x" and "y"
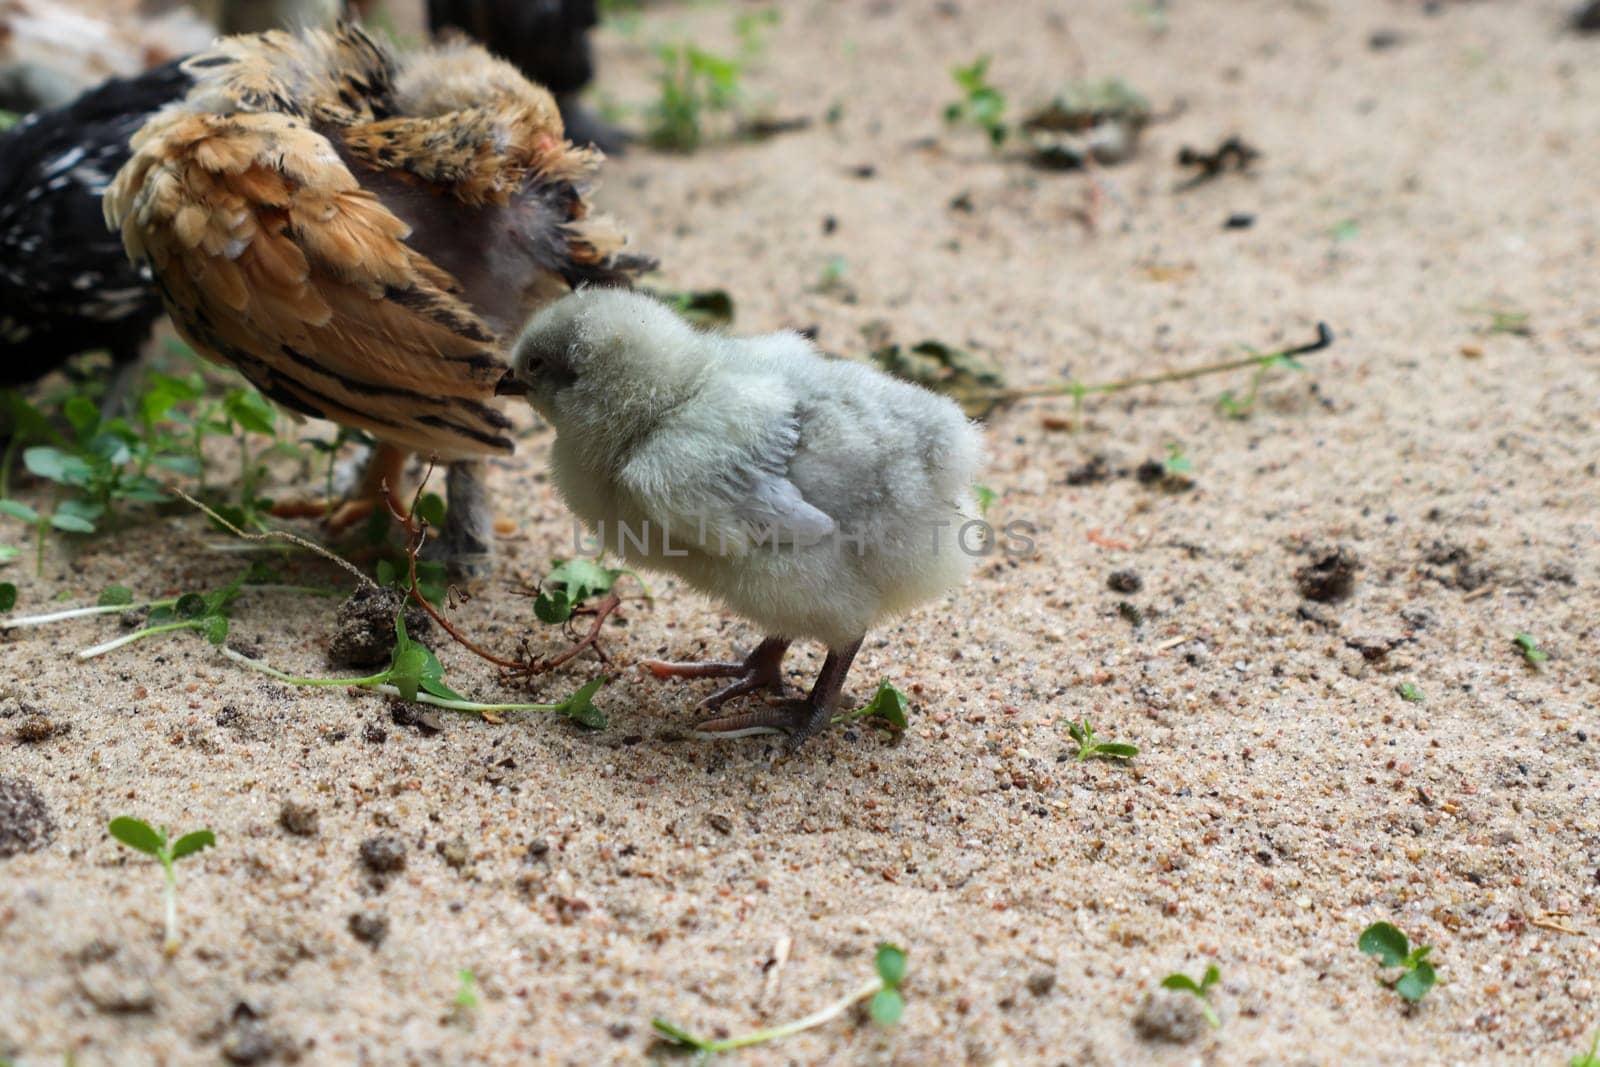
{"x": 797, "y": 718}
{"x": 761, "y": 670}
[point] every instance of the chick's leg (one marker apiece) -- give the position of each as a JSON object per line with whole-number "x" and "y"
{"x": 468, "y": 539}
{"x": 761, "y": 669}
{"x": 800, "y": 718}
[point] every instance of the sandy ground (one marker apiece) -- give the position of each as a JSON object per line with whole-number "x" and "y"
{"x": 1285, "y": 795}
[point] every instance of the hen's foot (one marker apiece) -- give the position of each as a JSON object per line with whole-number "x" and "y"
{"x": 382, "y": 483}
{"x": 762, "y": 669}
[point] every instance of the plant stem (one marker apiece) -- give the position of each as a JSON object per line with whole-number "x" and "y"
{"x": 112, "y": 609}
{"x": 170, "y": 946}
{"x": 378, "y": 683}
{"x": 815, "y": 1019}
{"x": 1079, "y": 390}
{"x": 138, "y": 635}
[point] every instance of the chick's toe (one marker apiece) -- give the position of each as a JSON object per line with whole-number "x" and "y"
{"x": 761, "y": 670}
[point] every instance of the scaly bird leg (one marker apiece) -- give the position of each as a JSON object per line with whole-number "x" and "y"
{"x": 382, "y": 481}
{"x": 798, "y": 718}
{"x": 761, "y": 669}
{"x": 467, "y": 546}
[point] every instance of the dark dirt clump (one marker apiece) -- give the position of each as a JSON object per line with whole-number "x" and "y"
{"x": 1330, "y": 576}
{"x": 1125, "y": 582}
{"x": 369, "y": 927}
{"x": 1167, "y": 1017}
{"x": 25, "y": 822}
{"x": 363, "y": 633}
{"x": 383, "y": 855}
{"x": 298, "y": 818}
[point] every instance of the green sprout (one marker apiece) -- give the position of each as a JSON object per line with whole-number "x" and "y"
{"x": 1409, "y": 692}
{"x": 414, "y": 674}
{"x": 1590, "y": 1058}
{"x": 1201, "y": 991}
{"x": 1532, "y": 654}
{"x": 985, "y": 497}
{"x": 142, "y": 837}
{"x": 1393, "y": 950}
{"x": 569, "y": 584}
{"x": 466, "y": 1003}
{"x": 1504, "y": 320}
{"x": 887, "y": 705}
{"x": 1091, "y": 747}
{"x": 1237, "y": 407}
{"x": 692, "y": 84}
{"x": 1176, "y": 462}
{"x": 981, "y": 104}
{"x": 886, "y": 1004}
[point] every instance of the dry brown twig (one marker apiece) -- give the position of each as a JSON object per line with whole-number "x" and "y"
{"x": 528, "y": 666}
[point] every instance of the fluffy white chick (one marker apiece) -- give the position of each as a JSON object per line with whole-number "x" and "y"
{"x": 815, "y": 497}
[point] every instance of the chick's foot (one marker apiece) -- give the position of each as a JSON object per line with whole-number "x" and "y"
{"x": 797, "y": 718}
{"x": 762, "y": 669}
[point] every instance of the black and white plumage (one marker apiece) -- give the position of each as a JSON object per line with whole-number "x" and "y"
{"x": 66, "y": 285}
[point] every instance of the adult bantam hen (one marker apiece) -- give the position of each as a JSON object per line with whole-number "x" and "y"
{"x": 356, "y": 230}
{"x": 66, "y": 285}
{"x": 815, "y": 497}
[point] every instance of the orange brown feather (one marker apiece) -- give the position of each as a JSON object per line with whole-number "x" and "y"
{"x": 277, "y": 250}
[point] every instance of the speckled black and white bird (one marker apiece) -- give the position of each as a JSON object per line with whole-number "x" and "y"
{"x": 66, "y": 285}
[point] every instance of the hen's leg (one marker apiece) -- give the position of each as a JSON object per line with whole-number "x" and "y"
{"x": 382, "y": 483}
{"x": 761, "y": 669}
{"x": 797, "y": 718}
{"x": 119, "y": 387}
{"x": 468, "y": 539}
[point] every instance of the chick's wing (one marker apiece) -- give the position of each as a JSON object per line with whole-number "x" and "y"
{"x": 272, "y": 257}
{"x": 718, "y": 475}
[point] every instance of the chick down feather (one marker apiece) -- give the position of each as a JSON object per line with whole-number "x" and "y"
{"x": 815, "y": 497}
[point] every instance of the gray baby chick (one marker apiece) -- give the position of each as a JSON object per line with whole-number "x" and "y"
{"x": 816, "y": 498}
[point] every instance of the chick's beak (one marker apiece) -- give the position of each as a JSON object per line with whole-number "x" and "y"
{"x": 510, "y": 385}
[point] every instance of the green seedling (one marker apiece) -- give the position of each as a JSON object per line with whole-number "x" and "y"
{"x": 1505, "y": 320}
{"x": 432, "y": 578}
{"x": 1176, "y": 462}
{"x": 1242, "y": 407}
{"x": 415, "y": 674}
{"x": 1409, "y": 692}
{"x": 1345, "y": 230}
{"x": 570, "y": 583}
{"x": 1590, "y": 1058}
{"x": 1079, "y": 390}
{"x": 1532, "y": 654}
{"x": 886, "y": 1004}
{"x": 1201, "y": 991}
{"x": 751, "y": 28}
{"x": 985, "y": 497}
{"x": 693, "y": 84}
{"x": 466, "y": 1003}
{"x": 888, "y": 705}
{"x": 981, "y": 104}
{"x": 1394, "y": 950}
{"x": 705, "y": 308}
{"x": 206, "y": 613}
{"x": 8, "y": 596}
{"x": 1091, "y": 747}
{"x": 141, "y": 837}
